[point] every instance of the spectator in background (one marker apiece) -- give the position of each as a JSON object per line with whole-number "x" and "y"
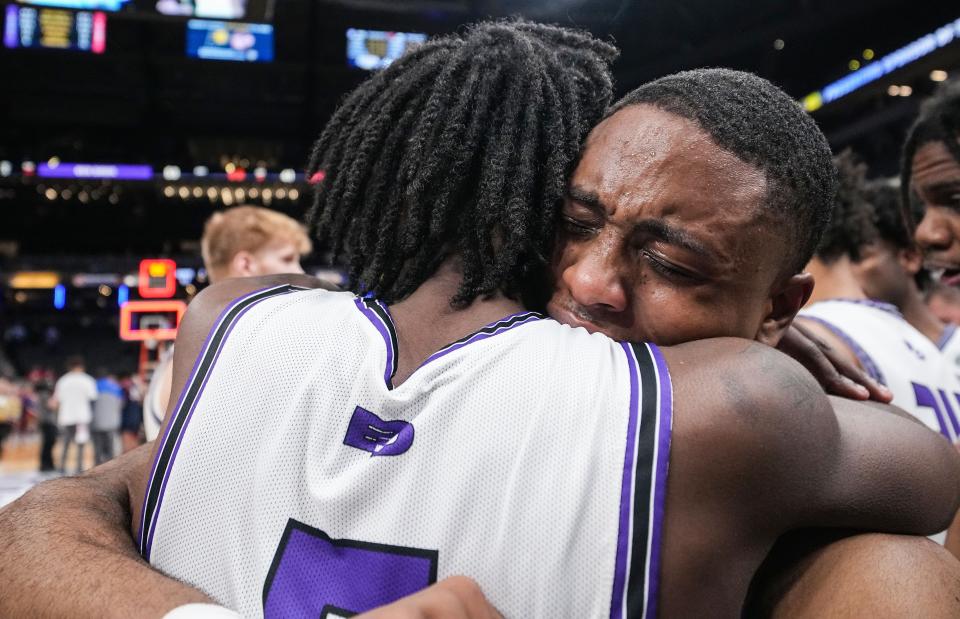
{"x": 74, "y": 395}
{"x": 244, "y": 241}
{"x": 10, "y": 409}
{"x": 132, "y": 418}
{"x": 107, "y": 410}
{"x": 47, "y": 421}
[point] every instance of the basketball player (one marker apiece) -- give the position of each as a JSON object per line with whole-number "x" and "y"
{"x": 873, "y": 331}
{"x": 243, "y": 241}
{"x": 503, "y": 473}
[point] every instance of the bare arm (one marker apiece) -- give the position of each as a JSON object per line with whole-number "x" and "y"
{"x": 63, "y": 541}
{"x": 66, "y": 547}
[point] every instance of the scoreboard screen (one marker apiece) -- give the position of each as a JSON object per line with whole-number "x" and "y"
{"x": 376, "y": 49}
{"x": 29, "y": 27}
{"x": 81, "y": 5}
{"x": 211, "y": 9}
{"x": 218, "y": 40}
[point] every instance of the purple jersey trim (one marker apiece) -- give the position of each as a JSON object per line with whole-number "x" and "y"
{"x": 151, "y": 525}
{"x": 624, "y": 532}
{"x": 883, "y": 306}
{"x": 948, "y": 332}
{"x": 494, "y": 328}
{"x": 183, "y": 394}
{"x": 659, "y": 493}
{"x": 865, "y": 360}
{"x": 384, "y": 331}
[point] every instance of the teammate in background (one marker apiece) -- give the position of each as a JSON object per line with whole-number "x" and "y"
{"x": 944, "y": 302}
{"x": 244, "y": 241}
{"x": 872, "y": 331}
{"x": 890, "y": 269}
{"x": 74, "y": 394}
{"x": 753, "y": 454}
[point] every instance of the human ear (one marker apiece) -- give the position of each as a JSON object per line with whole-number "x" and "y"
{"x": 785, "y": 301}
{"x": 243, "y": 264}
{"x": 911, "y": 260}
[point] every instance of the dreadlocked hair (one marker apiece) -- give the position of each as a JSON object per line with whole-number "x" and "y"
{"x": 939, "y": 121}
{"x": 462, "y": 147}
{"x": 851, "y": 223}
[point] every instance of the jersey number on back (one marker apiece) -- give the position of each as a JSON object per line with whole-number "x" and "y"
{"x": 313, "y": 575}
{"x": 926, "y": 398}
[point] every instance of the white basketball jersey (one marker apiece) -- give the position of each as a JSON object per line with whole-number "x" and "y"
{"x": 897, "y": 355}
{"x": 296, "y": 481}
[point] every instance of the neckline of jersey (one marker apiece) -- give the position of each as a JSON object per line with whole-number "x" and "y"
{"x": 883, "y": 306}
{"x": 379, "y": 315}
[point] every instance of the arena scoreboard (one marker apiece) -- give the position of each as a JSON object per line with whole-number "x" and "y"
{"x": 218, "y": 40}
{"x": 376, "y": 49}
{"x": 38, "y": 27}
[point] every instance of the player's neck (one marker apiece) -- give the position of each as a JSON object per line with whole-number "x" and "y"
{"x": 833, "y": 281}
{"x": 916, "y": 312}
{"x": 426, "y": 322}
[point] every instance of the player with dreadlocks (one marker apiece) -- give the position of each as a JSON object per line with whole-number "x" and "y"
{"x": 478, "y": 136}
{"x": 332, "y": 452}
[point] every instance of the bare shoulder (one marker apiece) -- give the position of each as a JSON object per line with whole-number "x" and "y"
{"x": 748, "y": 420}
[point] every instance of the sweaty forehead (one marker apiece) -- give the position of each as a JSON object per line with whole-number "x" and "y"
{"x": 643, "y": 155}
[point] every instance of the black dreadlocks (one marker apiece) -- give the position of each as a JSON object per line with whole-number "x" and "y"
{"x": 461, "y": 147}
{"x": 939, "y": 121}
{"x": 851, "y": 223}
{"x": 756, "y": 121}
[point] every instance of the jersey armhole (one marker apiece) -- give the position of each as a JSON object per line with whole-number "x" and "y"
{"x": 644, "y": 484}
{"x": 173, "y": 433}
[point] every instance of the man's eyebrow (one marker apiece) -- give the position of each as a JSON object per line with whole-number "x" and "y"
{"x": 944, "y": 187}
{"x": 674, "y": 236}
{"x": 587, "y": 198}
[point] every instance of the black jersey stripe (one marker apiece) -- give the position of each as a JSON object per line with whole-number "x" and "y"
{"x": 188, "y": 399}
{"x": 645, "y": 464}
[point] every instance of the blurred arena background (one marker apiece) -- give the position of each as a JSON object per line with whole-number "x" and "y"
{"x": 127, "y": 123}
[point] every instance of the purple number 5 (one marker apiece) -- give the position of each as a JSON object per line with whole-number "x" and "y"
{"x": 314, "y": 576}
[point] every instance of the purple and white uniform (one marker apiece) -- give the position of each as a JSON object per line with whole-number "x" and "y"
{"x": 296, "y": 481}
{"x": 897, "y": 355}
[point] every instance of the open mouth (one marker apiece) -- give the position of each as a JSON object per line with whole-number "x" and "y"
{"x": 948, "y": 276}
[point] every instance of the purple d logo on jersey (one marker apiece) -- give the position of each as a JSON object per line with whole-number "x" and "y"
{"x": 381, "y": 438}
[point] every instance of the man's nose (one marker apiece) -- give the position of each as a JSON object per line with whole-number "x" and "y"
{"x": 594, "y": 280}
{"x": 934, "y": 231}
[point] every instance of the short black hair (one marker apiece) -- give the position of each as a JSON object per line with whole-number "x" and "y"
{"x": 756, "y": 121}
{"x": 851, "y": 224}
{"x": 462, "y": 147}
{"x": 938, "y": 121}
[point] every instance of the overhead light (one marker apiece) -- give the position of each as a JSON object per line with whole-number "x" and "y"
{"x": 201, "y": 170}
{"x": 230, "y": 167}
{"x": 53, "y": 162}
{"x": 28, "y": 168}
{"x": 853, "y": 65}
{"x": 294, "y": 194}
{"x": 6, "y": 168}
{"x": 50, "y": 194}
{"x": 35, "y": 279}
{"x": 938, "y": 75}
{"x": 288, "y": 175}
{"x": 198, "y": 192}
{"x": 906, "y": 91}
{"x": 212, "y": 193}
{"x": 260, "y": 173}
{"x": 254, "y": 193}
{"x": 171, "y": 173}
{"x": 184, "y": 193}
{"x": 868, "y": 54}
{"x": 778, "y": 44}
{"x": 281, "y": 193}
{"x": 169, "y": 191}
{"x": 893, "y": 90}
